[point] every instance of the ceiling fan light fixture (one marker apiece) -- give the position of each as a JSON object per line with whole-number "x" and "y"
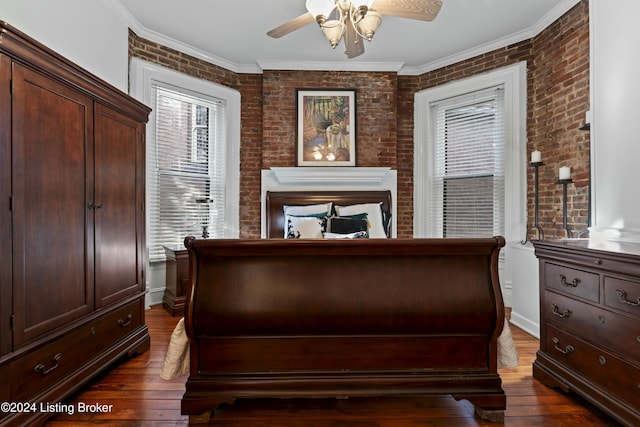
{"x": 355, "y": 20}
{"x": 320, "y": 9}
{"x": 361, "y": 6}
{"x": 333, "y": 31}
{"x": 369, "y": 23}
{"x": 359, "y": 3}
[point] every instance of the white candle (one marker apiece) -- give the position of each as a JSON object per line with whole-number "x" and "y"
{"x": 536, "y": 157}
{"x": 565, "y": 172}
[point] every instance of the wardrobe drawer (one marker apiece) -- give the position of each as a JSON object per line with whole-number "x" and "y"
{"x": 613, "y": 374}
{"x": 611, "y": 330}
{"x": 5, "y": 391}
{"x": 622, "y": 294}
{"x": 47, "y": 365}
{"x": 116, "y": 325}
{"x": 572, "y": 281}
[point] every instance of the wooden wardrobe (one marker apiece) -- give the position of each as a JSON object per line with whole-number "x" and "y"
{"x": 72, "y": 243}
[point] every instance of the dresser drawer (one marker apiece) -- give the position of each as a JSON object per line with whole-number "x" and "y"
{"x": 47, "y": 365}
{"x": 622, "y": 295}
{"x": 611, "y": 330}
{"x": 613, "y": 374}
{"x": 572, "y": 281}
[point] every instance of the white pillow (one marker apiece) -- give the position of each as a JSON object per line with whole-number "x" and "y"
{"x": 374, "y": 216}
{"x": 307, "y": 209}
{"x": 304, "y": 227}
{"x": 356, "y": 235}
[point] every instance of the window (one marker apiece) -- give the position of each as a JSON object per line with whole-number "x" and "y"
{"x": 466, "y": 165}
{"x": 186, "y": 169}
{"x": 464, "y": 184}
{"x": 470, "y": 161}
{"x": 193, "y": 149}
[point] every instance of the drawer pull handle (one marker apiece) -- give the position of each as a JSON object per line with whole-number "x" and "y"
{"x": 623, "y": 299}
{"x": 557, "y": 312}
{"x": 568, "y": 349}
{"x": 44, "y": 370}
{"x": 125, "y": 322}
{"x": 574, "y": 283}
{"x": 602, "y": 360}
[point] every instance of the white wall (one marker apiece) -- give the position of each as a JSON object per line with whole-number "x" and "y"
{"x": 86, "y": 32}
{"x": 615, "y": 86}
{"x": 522, "y": 276}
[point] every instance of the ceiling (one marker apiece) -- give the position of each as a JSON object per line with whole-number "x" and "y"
{"x": 232, "y": 33}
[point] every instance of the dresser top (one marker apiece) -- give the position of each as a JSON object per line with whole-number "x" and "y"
{"x": 609, "y": 248}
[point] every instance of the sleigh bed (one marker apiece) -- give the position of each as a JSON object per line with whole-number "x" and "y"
{"x": 326, "y": 318}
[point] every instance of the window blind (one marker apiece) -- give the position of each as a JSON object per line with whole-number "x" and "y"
{"x": 466, "y": 167}
{"x": 186, "y": 169}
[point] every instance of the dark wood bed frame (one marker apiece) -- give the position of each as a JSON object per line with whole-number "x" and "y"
{"x": 343, "y": 318}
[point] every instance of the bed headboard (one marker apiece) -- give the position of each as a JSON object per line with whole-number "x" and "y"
{"x": 275, "y": 200}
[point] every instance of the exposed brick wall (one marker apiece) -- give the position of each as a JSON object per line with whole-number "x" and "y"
{"x": 176, "y": 60}
{"x": 407, "y": 87}
{"x": 375, "y": 108}
{"x": 558, "y": 96}
{"x": 250, "y": 86}
{"x": 557, "y": 109}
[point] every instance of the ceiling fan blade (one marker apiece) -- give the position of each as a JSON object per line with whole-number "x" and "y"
{"x": 423, "y": 10}
{"x": 292, "y": 25}
{"x": 353, "y": 42}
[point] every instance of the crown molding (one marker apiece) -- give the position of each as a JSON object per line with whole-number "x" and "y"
{"x": 560, "y": 9}
{"x": 330, "y": 66}
{"x": 123, "y": 14}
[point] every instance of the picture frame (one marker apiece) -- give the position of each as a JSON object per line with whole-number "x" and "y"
{"x": 326, "y": 127}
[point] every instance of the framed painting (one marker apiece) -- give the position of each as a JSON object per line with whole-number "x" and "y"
{"x": 326, "y": 127}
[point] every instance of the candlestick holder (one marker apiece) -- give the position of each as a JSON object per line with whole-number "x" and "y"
{"x": 536, "y": 227}
{"x": 564, "y": 183}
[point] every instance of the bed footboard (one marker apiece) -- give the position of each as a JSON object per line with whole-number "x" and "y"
{"x": 317, "y": 319}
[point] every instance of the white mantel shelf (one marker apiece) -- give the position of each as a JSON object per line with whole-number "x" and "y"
{"x": 327, "y": 179}
{"x": 327, "y": 176}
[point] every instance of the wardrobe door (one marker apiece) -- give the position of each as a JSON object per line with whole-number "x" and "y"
{"x": 51, "y": 190}
{"x": 119, "y": 201}
{"x": 6, "y": 294}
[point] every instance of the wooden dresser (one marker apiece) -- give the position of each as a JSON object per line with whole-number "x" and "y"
{"x": 590, "y": 323}
{"x": 72, "y": 239}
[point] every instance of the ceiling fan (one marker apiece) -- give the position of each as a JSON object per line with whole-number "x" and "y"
{"x": 355, "y": 20}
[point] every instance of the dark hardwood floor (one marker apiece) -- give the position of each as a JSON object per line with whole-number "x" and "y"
{"x": 140, "y": 398}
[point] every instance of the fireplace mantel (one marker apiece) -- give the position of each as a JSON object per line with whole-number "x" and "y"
{"x": 328, "y": 179}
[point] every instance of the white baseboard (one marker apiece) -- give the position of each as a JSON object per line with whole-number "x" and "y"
{"x": 156, "y": 279}
{"x": 525, "y": 324}
{"x": 153, "y": 297}
{"x": 507, "y": 295}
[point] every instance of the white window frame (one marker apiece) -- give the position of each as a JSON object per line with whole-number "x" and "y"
{"x": 513, "y": 78}
{"x": 144, "y": 76}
